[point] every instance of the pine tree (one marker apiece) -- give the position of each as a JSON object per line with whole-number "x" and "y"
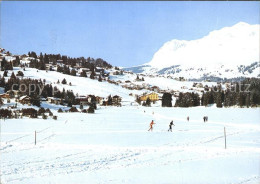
{"x": 46, "y": 59}
{"x": 109, "y": 101}
{"x": 1, "y": 101}
{"x": 100, "y": 79}
{"x": 16, "y": 62}
{"x": 91, "y": 109}
{"x": 41, "y": 57}
{"x": 218, "y": 100}
{"x": 247, "y": 101}
{"x": 167, "y": 100}
{"x": 4, "y": 65}
{"x": 66, "y": 70}
{"x": 35, "y": 100}
{"x": 241, "y": 99}
{"x": 5, "y": 73}
{"x": 59, "y": 69}
{"x": 73, "y": 72}
{"x": 41, "y": 66}
{"x": 20, "y": 73}
{"x": 202, "y": 99}
{"x": 33, "y": 54}
{"x": 64, "y": 81}
{"x": 92, "y": 75}
{"x": 148, "y": 102}
{"x": 13, "y": 76}
{"x": 137, "y": 99}
{"x": 2, "y": 82}
{"x": 83, "y": 74}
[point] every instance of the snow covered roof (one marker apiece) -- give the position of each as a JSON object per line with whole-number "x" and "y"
{"x": 9, "y": 58}
{"x": 149, "y": 94}
{"x": 81, "y": 97}
{"x": 53, "y": 98}
{"x": 24, "y": 97}
{"x": 84, "y": 69}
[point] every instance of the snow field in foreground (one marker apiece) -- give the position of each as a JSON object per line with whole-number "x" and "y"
{"x": 114, "y": 146}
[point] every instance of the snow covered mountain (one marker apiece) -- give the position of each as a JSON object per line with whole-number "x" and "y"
{"x": 230, "y": 52}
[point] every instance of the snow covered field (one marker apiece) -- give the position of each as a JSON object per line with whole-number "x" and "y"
{"x": 114, "y": 146}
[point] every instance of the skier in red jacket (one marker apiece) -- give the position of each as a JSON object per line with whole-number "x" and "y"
{"x": 151, "y": 126}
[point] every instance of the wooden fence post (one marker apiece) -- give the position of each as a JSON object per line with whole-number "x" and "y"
{"x": 35, "y": 137}
{"x": 225, "y": 137}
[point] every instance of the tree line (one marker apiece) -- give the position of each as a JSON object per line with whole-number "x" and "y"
{"x": 53, "y": 58}
{"x": 242, "y": 94}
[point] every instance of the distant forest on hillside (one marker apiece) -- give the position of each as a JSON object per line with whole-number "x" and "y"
{"x": 40, "y": 61}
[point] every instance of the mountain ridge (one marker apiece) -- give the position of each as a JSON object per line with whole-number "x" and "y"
{"x": 222, "y": 53}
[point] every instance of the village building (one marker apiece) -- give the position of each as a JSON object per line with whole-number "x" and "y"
{"x": 54, "y": 100}
{"x": 152, "y": 96}
{"x": 78, "y": 64}
{"x": 43, "y": 99}
{"x": 99, "y": 100}
{"x": 99, "y": 70}
{"x": 76, "y": 67}
{"x": 5, "y": 95}
{"x": 25, "y": 100}
{"x": 14, "y": 93}
{"x": 116, "y": 100}
{"x": 49, "y": 67}
{"x": 59, "y": 61}
{"x": 155, "y": 88}
{"x": 106, "y": 74}
{"x": 82, "y": 100}
{"x": 83, "y": 69}
{"x": 91, "y": 99}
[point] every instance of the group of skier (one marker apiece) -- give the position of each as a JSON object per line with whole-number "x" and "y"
{"x": 205, "y": 119}
{"x": 170, "y": 126}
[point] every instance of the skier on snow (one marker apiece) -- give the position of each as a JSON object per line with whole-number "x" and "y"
{"x": 170, "y": 126}
{"x": 151, "y": 126}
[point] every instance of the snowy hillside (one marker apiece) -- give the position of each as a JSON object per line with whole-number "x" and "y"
{"x": 80, "y": 85}
{"x": 162, "y": 82}
{"x": 226, "y": 53}
{"x": 86, "y": 86}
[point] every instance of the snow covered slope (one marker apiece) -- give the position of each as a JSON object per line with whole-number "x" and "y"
{"x": 226, "y": 53}
{"x": 87, "y": 86}
{"x": 80, "y": 85}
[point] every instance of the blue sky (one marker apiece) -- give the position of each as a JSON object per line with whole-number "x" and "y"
{"x": 123, "y": 33}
